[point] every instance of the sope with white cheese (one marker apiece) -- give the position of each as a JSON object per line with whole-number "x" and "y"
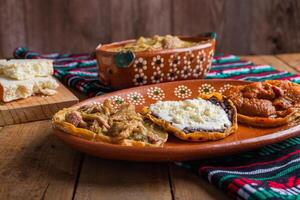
{"x": 192, "y": 114}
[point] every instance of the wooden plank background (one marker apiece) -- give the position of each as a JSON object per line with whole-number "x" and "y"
{"x": 244, "y": 27}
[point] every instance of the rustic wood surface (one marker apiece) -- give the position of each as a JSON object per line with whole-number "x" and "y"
{"x": 271, "y": 60}
{"x": 122, "y": 180}
{"x": 36, "y": 165}
{"x": 292, "y": 60}
{"x": 250, "y": 27}
{"x": 36, "y": 107}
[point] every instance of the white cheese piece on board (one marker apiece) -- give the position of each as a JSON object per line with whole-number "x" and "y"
{"x": 23, "y": 69}
{"x": 19, "y": 89}
{"x": 2, "y": 62}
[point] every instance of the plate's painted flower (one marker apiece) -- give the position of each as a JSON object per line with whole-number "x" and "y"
{"x": 157, "y": 77}
{"x": 186, "y": 72}
{"x": 140, "y": 65}
{"x": 174, "y": 60}
{"x": 97, "y": 103}
{"x": 206, "y": 89}
{"x": 172, "y": 74}
{"x": 140, "y": 79}
{"x": 155, "y": 93}
{"x": 182, "y": 91}
{"x": 157, "y": 62}
{"x": 116, "y": 101}
{"x": 135, "y": 98}
{"x": 224, "y": 88}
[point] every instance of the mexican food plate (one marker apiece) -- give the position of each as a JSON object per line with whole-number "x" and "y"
{"x": 175, "y": 121}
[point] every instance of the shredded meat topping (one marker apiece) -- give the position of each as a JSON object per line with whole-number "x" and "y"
{"x": 73, "y": 117}
{"x": 265, "y": 99}
{"x": 119, "y": 124}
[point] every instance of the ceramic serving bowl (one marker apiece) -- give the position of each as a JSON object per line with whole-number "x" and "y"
{"x": 127, "y": 69}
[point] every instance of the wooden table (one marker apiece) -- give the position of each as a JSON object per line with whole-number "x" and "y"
{"x": 34, "y": 164}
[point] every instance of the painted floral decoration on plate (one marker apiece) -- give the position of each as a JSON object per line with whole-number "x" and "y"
{"x": 182, "y": 92}
{"x": 135, "y": 98}
{"x": 155, "y": 93}
{"x": 117, "y": 101}
{"x": 224, "y": 88}
{"x": 206, "y": 89}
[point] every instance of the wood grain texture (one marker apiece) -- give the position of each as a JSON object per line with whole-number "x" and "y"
{"x": 187, "y": 185}
{"x": 105, "y": 179}
{"x": 12, "y": 26}
{"x": 269, "y": 60}
{"x": 34, "y": 164}
{"x": 36, "y": 107}
{"x": 274, "y": 26}
{"x": 293, "y": 60}
{"x": 285, "y": 25}
{"x": 192, "y": 17}
{"x": 136, "y": 18}
{"x": 46, "y": 25}
{"x": 238, "y": 21}
{"x": 251, "y": 27}
{"x": 88, "y": 23}
{"x": 230, "y": 19}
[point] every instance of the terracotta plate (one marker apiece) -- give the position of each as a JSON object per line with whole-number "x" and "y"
{"x": 246, "y": 138}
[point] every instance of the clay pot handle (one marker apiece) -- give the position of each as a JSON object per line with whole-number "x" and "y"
{"x": 124, "y": 59}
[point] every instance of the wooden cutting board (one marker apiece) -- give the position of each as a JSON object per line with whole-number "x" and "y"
{"x": 36, "y": 108}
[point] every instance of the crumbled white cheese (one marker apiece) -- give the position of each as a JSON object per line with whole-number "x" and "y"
{"x": 192, "y": 113}
{"x": 18, "y": 89}
{"x": 26, "y": 69}
{"x": 2, "y": 62}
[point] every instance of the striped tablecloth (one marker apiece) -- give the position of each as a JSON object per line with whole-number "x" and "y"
{"x": 272, "y": 172}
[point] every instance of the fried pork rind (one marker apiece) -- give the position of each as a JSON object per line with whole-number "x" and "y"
{"x": 198, "y": 135}
{"x": 121, "y": 126}
{"x": 266, "y": 104}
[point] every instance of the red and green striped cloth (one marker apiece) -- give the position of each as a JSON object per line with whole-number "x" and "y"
{"x": 272, "y": 172}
